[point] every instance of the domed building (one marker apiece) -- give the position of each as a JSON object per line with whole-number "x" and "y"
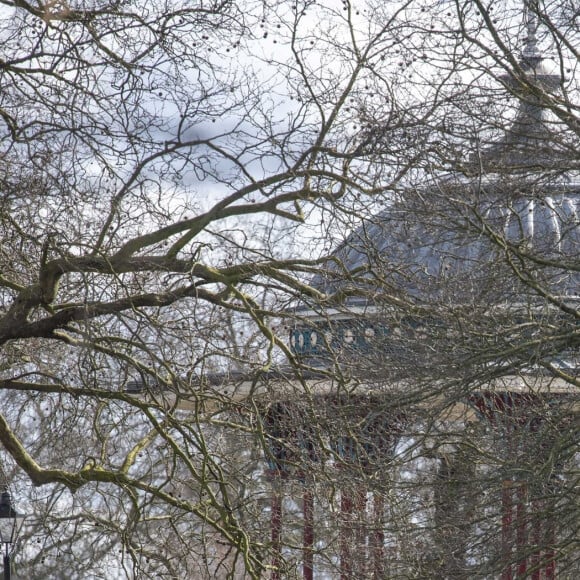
{"x": 519, "y": 195}
{"x": 455, "y": 309}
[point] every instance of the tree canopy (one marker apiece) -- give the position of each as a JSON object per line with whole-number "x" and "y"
{"x": 183, "y": 184}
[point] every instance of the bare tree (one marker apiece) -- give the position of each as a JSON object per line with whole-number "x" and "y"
{"x": 456, "y": 311}
{"x": 176, "y": 180}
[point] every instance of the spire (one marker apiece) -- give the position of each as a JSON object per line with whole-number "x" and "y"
{"x": 531, "y": 53}
{"x": 532, "y": 59}
{"x": 530, "y": 141}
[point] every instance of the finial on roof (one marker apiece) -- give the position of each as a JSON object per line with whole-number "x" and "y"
{"x": 533, "y": 62}
{"x": 531, "y": 53}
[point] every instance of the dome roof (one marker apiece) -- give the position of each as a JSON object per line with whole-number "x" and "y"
{"x": 504, "y": 233}
{"x": 460, "y": 257}
{"x": 450, "y": 236}
{"x": 435, "y": 242}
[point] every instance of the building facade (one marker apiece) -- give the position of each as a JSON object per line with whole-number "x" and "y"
{"x": 432, "y": 434}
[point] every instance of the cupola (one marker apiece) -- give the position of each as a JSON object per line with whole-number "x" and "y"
{"x": 448, "y": 242}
